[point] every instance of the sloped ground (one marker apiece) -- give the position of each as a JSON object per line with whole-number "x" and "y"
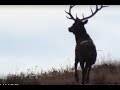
{"x": 104, "y": 74}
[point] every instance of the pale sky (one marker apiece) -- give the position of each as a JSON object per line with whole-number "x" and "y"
{"x": 37, "y": 35}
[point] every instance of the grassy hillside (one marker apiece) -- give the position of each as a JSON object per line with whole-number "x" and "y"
{"x": 105, "y": 73}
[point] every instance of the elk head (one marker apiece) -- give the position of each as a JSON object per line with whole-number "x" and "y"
{"x": 78, "y": 25}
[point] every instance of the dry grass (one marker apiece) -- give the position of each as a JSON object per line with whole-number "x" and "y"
{"x": 106, "y": 73}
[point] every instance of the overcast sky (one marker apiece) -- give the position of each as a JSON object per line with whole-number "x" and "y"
{"x": 37, "y": 35}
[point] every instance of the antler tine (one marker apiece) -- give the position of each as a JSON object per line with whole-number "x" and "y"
{"x": 71, "y": 6}
{"x": 93, "y": 13}
{"x": 102, "y": 7}
{"x": 83, "y": 15}
{"x": 91, "y": 10}
{"x": 69, "y": 13}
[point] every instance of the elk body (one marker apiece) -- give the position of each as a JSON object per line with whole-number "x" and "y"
{"x": 85, "y": 51}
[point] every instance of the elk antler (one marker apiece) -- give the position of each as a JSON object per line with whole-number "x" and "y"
{"x": 69, "y": 13}
{"x": 93, "y": 13}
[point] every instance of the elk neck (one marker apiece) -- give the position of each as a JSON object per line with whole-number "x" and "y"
{"x": 80, "y": 37}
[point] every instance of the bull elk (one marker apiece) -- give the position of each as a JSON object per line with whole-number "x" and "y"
{"x": 85, "y": 51}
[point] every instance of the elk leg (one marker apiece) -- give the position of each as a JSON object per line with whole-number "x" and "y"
{"x": 88, "y": 75}
{"x": 83, "y": 72}
{"x": 83, "y": 76}
{"x": 76, "y": 72}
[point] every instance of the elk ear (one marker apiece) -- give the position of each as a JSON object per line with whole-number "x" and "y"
{"x": 85, "y": 22}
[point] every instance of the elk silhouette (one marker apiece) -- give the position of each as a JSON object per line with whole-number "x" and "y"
{"x": 85, "y": 51}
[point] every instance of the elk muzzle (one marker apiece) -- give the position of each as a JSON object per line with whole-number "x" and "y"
{"x": 70, "y": 29}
